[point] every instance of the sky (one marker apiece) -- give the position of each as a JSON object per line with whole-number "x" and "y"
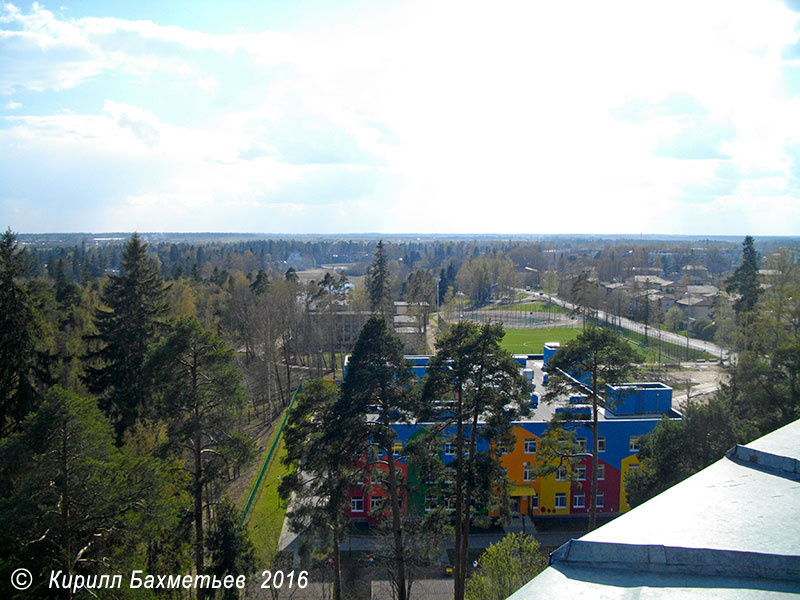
{"x": 311, "y": 116}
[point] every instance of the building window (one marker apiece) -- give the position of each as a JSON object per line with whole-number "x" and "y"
{"x": 581, "y": 473}
{"x": 357, "y": 504}
{"x": 501, "y": 448}
{"x": 534, "y": 502}
{"x": 561, "y": 473}
{"x": 561, "y": 501}
{"x": 601, "y": 472}
{"x": 601, "y": 444}
{"x": 527, "y": 472}
{"x": 633, "y": 467}
{"x": 430, "y": 503}
{"x": 374, "y": 503}
{"x": 581, "y": 444}
{"x": 601, "y": 498}
{"x": 397, "y": 448}
{"x": 634, "y": 443}
{"x": 449, "y": 449}
{"x": 579, "y": 501}
{"x": 530, "y": 446}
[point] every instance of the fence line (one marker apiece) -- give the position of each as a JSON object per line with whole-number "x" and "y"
{"x": 254, "y": 492}
{"x": 661, "y": 350}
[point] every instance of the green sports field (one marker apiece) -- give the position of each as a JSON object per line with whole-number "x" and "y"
{"x": 531, "y": 341}
{"x": 533, "y": 306}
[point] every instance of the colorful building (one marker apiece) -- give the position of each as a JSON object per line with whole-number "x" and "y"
{"x": 633, "y": 410}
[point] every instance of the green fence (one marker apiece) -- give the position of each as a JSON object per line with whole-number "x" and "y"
{"x": 655, "y": 347}
{"x": 254, "y": 492}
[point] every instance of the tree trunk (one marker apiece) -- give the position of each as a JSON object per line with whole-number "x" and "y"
{"x": 332, "y": 334}
{"x": 199, "y": 543}
{"x": 65, "y": 499}
{"x": 198, "y": 511}
{"x": 397, "y": 526}
{"x": 337, "y": 567}
{"x": 278, "y": 380}
{"x": 593, "y": 494}
{"x": 458, "y": 578}
{"x": 468, "y": 503}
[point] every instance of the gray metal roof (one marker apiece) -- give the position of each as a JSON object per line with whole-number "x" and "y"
{"x": 730, "y": 531}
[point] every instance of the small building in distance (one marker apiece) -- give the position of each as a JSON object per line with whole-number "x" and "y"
{"x": 731, "y": 531}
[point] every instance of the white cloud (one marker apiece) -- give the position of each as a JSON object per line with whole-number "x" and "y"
{"x": 444, "y": 116}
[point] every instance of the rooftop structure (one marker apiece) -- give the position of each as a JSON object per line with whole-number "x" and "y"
{"x": 652, "y": 280}
{"x": 634, "y": 410}
{"x": 702, "y": 290}
{"x": 730, "y": 531}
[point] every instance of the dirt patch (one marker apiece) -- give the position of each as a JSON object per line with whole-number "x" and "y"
{"x": 697, "y": 381}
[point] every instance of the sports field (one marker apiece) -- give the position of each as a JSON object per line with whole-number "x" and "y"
{"x": 533, "y": 306}
{"x": 531, "y": 341}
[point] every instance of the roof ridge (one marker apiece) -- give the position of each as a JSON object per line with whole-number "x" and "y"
{"x": 677, "y": 560}
{"x": 775, "y": 464}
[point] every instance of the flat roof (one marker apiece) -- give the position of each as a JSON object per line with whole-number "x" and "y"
{"x": 730, "y": 531}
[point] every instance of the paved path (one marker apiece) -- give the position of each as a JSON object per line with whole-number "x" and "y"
{"x": 363, "y": 543}
{"x": 667, "y": 336}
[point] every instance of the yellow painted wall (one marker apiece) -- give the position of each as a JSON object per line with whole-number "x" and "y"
{"x": 633, "y": 459}
{"x": 544, "y": 487}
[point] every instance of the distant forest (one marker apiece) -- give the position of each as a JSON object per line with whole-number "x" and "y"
{"x": 89, "y": 256}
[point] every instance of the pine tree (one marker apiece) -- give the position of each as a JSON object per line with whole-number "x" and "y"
{"x": 379, "y": 376}
{"x": 379, "y": 285}
{"x": 127, "y": 323}
{"x": 480, "y": 385}
{"x": 70, "y": 499}
{"x": 606, "y": 358}
{"x": 230, "y": 549}
{"x": 744, "y": 280}
{"x": 200, "y": 391}
{"x": 21, "y": 364}
{"x": 744, "y": 283}
{"x": 319, "y": 442}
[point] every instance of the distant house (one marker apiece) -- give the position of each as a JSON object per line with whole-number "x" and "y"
{"x": 710, "y": 291}
{"x": 697, "y": 274}
{"x": 610, "y": 288}
{"x": 695, "y": 307}
{"x": 652, "y": 281}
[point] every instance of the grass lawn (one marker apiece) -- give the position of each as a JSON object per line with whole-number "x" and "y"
{"x": 531, "y": 341}
{"x": 535, "y": 307}
{"x": 266, "y": 515}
